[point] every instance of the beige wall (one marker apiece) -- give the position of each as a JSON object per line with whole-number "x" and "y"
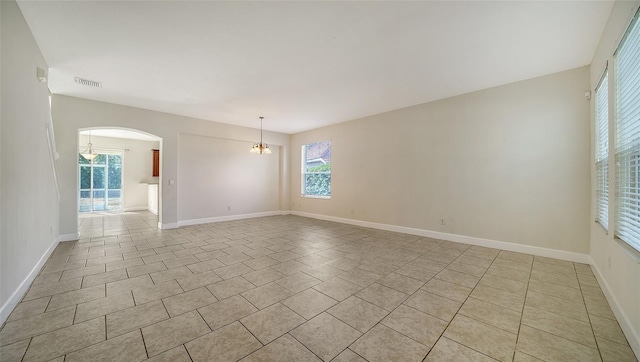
{"x": 509, "y": 163}
{"x": 136, "y": 170}
{"x": 617, "y": 265}
{"x": 28, "y": 197}
{"x": 72, "y": 114}
{"x": 220, "y": 178}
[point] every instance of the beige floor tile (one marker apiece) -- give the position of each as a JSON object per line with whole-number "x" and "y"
{"x": 60, "y": 267}
{"x": 348, "y": 356}
{"x": 230, "y": 287}
{"x": 416, "y": 325}
{"x": 474, "y": 270}
{"x": 29, "y": 308}
{"x": 235, "y": 270}
{"x": 434, "y": 305}
{"x": 557, "y": 305}
{"x": 103, "y": 306}
{"x": 103, "y": 278}
{"x": 14, "y": 352}
{"x": 469, "y": 259}
{"x": 127, "y": 263}
{"x": 198, "y": 280}
{"x": 178, "y": 354}
{"x": 127, "y": 285}
{"x": 417, "y": 271}
{"x": 338, "y": 289}
{"x": 382, "y": 296}
{"x": 482, "y": 252}
{"x": 546, "y": 346}
{"x": 47, "y": 289}
{"x": 188, "y": 301}
{"x": 133, "y": 318}
{"x": 522, "y": 357}
{"x": 509, "y": 285}
{"x": 556, "y": 290}
{"x": 384, "y": 344}
{"x": 181, "y": 261}
{"x": 323, "y": 272}
{"x": 266, "y": 295}
{"x": 234, "y": 258}
{"x": 567, "y": 280}
{"x": 229, "y": 343}
{"x": 523, "y": 267}
{"x": 35, "y": 325}
{"x": 158, "y": 258}
{"x": 313, "y": 260}
{"x": 358, "y": 313}
{"x": 46, "y": 278}
{"x": 226, "y": 311}
{"x": 309, "y": 303}
{"x": 298, "y": 282}
{"x": 492, "y": 341}
{"x": 325, "y": 335}
{"x": 171, "y": 274}
{"x": 77, "y": 296}
{"x": 517, "y": 257}
{"x": 583, "y": 268}
{"x": 135, "y": 271}
{"x": 615, "y": 352}
{"x": 499, "y": 297}
{"x": 264, "y": 276}
{"x": 588, "y": 280}
{"x": 158, "y": 291}
{"x": 290, "y": 267}
{"x": 59, "y": 342}
{"x": 608, "y": 329}
{"x": 173, "y": 332}
{"x": 204, "y": 266}
{"x": 593, "y": 293}
{"x": 566, "y": 269}
{"x": 271, "y": 322}
{"x": 401, "y": 283}
{"x": 447, "y": 350}
{"x": 81, "y": 272}
{"x": 104, "y": 259}
{"x": 455, "y": 277}
{"x": 491, "y": 314}
{"x": 285, "y": 349}
{"x": 360, "y": 277}
{"x": 599, "y": 308}
{"x": 448, "y": 290}
{"x": 124, "y": 348}
{"x": 571, "y": 329}
{"x": 509, "y": 273}
{"x": 261, "y": 262}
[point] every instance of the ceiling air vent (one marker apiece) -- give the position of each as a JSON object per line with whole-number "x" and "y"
{"x": 87, "y": 82}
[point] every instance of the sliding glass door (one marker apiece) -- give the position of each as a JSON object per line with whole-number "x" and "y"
{"x": 100, "y": 182}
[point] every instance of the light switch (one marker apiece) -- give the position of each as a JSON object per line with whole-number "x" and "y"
{"x": 171, "y": 182}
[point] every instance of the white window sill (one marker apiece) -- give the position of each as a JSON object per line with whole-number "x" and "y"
{"x": 316, "y": 197}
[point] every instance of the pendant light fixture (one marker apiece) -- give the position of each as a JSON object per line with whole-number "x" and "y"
{"x": 260, "y": 147}
{"x": 89, "y": 154}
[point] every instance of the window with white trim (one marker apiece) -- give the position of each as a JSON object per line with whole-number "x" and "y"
{"x": 627, "y": 126}
{"x": 316, "y": 170}
{"x": 602, "y": 151}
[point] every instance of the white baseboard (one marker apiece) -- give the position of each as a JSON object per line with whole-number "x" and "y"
{"x": 68, "y": 237}
{"x": 625, "y": 323}
{"x": 16, "y": 296}
{"x": 520, "y": 248}
{"x": 165, "y": 226}
{"x": 230, "y": 218}
{"x": 135, "y": 208}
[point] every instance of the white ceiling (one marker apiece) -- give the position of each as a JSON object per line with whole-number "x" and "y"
{"x": 302, "y": 64}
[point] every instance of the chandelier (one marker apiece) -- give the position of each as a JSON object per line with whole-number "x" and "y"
{"x": 89, "y": 154}
{"x": 260, "y": 147}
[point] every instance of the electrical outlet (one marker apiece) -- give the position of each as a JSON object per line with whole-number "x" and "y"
{"x": 442, "y": 221}
{"x": 609, "y": 263}
{"x": 228, "y": 208}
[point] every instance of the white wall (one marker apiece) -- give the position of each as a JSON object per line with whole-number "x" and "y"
{"x": 221, "y": 177}
{"x": 617, "y": 266}
{"x": 137, "y": 167}
{"x": 71, "y": 114}
{"x": 509, "y": 163}
{"x": 29, "y": 204}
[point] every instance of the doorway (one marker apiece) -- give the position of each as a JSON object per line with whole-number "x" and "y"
{"x": 100, "y": 181}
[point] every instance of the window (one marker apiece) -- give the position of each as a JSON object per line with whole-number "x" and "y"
{"x": 602, "y": 152}
{"x": 316, "y": 170}
{"x": 627, "y": 150}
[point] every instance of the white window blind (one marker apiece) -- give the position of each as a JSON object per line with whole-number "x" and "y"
{"x": 627, "y": 150}
{"x": 602, "y": 152}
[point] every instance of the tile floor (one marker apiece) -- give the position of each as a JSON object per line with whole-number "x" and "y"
{"x": 288, "y": 288}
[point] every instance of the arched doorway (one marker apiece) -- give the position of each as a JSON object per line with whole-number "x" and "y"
{"x": 118, "y": 189}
